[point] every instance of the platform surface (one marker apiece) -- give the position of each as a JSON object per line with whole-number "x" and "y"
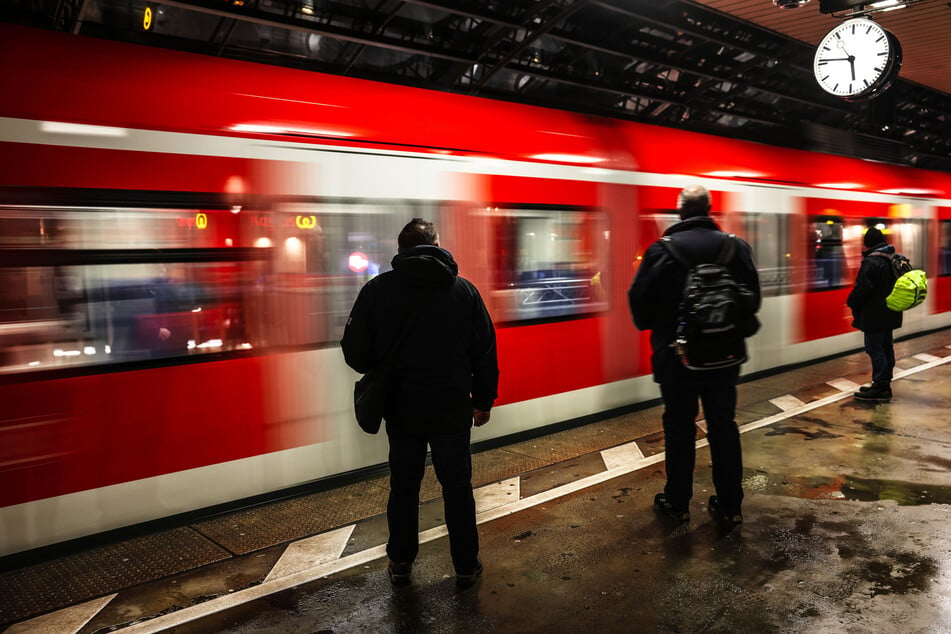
{"x": 846, "y": 530}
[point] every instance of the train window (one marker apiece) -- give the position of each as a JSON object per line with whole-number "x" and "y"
{"x": 944, "y": 254}
{"x": 324, "y": 252}
{"x": 768, "y": 235}
{"x": 838, "y": 245}
{"x": 89, "y": 285}
{"x": 551, "y": 263}
{"x": 832, "y": 252}
{"x": 908, "y": 237}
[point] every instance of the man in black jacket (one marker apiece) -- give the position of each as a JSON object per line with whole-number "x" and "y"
{"x": 872, "y": 316}
{"x": 654, "y": 299}
{"x": 444, "y": 376}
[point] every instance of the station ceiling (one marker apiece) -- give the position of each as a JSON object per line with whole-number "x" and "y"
{"x": 738, "y": 68}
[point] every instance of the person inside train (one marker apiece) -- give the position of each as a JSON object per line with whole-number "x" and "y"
{"x": 654, "y": 297}
{"x": 870, "y": 314}
{"x": 444, "y": 376}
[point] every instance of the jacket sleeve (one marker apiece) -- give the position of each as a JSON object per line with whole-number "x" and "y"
{"x": 642, "y": 296}
{"x": 357, "y": 342}
{"x": 483, "y": 356}
{"x": 864, "y": 287}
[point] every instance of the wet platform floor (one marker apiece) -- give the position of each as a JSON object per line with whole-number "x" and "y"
{"x": 846, "y": 530}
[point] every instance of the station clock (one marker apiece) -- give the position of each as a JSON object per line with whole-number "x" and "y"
{"x": 857, "y": 59}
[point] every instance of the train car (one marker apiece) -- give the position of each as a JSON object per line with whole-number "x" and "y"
{"x": 182, "y": 237}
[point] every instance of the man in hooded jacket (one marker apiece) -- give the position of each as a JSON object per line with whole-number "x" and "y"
{"x": 654, "y": 299}
{"x": 444, "y": 376}
{"x": 872, "y": 316}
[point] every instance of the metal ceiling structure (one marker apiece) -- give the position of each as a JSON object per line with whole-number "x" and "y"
{"x": 667, "y": 62}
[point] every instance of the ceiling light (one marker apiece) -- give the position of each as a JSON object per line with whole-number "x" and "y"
{"x": 790, "y": 4}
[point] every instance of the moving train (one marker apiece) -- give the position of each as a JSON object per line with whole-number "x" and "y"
{"x": 181, "y": 239}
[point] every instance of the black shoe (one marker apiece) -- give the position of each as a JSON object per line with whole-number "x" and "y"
{"x": 399, "y": 573}
{"x": 668, "y": 509}
{"x": 875, "y": 393}
{"x": 865, "y": 388}
{"x": 467, "y": 580}
{"x": 727, "y": 516}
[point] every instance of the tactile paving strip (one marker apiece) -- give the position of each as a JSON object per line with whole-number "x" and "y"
{"x": 262, "y": 526}
{"x": 98, "y": 571}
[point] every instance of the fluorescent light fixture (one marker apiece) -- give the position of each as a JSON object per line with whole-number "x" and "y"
{"x": 60, "y": 127}
{"x": 261, "y": 128}
{"x": 887, "y": 5}
{"x": 568, "y": 158}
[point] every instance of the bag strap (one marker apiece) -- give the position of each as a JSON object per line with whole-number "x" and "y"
{"x": 724, "y": 257}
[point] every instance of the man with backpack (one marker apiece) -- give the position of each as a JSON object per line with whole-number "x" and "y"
{"x": 697, "y": 291}
{"x": 871, "y": 315}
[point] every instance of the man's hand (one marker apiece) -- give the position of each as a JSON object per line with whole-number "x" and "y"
{"x": 480, "y": 417}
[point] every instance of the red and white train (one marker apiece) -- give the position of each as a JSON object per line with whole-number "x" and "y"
{"x": 181, "y": 238}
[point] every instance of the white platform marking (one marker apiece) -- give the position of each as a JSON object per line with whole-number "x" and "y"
{"x": 843, "y": 385}
{"x": 311, "y": 552}
{"x": 66, "y": 621}
{"x": 498, "y": 494}
{"x": 622, "y": 456}
{"x": 787, "y": 402}
{"x": 924, "y": 356}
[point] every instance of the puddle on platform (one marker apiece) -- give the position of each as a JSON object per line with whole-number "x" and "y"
{"x": 905, "y": 493}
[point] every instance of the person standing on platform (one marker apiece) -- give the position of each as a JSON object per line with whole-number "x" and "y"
{"x": 444, "y": 377}
{"x": 873, "y": 283}
{"x": 655, "y": 297}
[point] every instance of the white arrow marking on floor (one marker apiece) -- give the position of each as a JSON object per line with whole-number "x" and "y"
{"x": 924, "y": 356}
{"x": 622, "y": 455}
{"x": 65, "y": 621}
{"x": 497, "y": 494}
{"x": 311, "y": 552}
{"x": 786, "y": 402}
{"x": 843, "y": 385}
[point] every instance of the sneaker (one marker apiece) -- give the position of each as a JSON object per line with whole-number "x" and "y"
{"x": 668, "y": 509}
{"x": 399, "y": 573}
{"x": 875, "y": 393}
{"x": 728, "y": 516}
{"x": 467, "y": 580}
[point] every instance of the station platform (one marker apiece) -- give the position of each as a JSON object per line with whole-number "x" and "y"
{"x": 845, "y": 530}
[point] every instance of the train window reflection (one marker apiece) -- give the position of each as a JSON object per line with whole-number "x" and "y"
{"x": 552, "y": 262}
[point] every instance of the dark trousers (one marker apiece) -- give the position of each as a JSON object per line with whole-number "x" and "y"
{"x": 680, "y": 415}
{"x": 452, "y": 462}
{"x": 880, "y": 347}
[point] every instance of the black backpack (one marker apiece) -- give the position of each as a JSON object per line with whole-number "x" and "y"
{"x": 713, "y": 317}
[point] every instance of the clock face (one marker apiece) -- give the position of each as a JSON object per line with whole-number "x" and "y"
{"x": 856, "y": 58}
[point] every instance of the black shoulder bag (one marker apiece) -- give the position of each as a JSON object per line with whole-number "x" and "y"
{"x": 370, "y": 392}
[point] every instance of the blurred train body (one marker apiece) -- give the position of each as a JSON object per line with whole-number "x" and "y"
{"x": 181, "y": 238}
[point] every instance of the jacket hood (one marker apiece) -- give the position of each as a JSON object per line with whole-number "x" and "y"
{"x": 692, "y": 223}
{"x": 426, "y": 265}
{"x": 887, "y": 249}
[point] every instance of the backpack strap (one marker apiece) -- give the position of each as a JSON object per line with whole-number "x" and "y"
{"x": 724, "y": 257}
